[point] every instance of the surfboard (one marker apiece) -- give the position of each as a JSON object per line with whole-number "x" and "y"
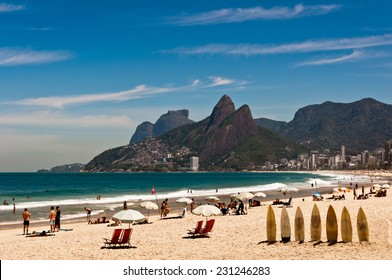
{"x": 299, "y": 226}
{"x": 362, "y": 226}
{"x": 315, "y": 224}
{"x": 271, "y": 225}
{"x": 346, "y": 226}
{"x": 332, "y": 225}
{"x": 285, "y": 228}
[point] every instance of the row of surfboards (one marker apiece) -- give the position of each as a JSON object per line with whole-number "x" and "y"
{"x": 316, "y": 226}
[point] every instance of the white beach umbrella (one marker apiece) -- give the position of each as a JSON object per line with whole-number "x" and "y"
{"x": 149, "y": 206}
{"x": 245, "y": 196}
{"x": 129, "y": 216}
{"x": 385, "y": 186}
{"x": 207, "y": 210}
{"x": 260, "y": 194}
{"x": 377, "y": 186}
{"x": 184, "y": 200}
{"x": 212, "y": 198}
{"x": 288, "y": 189}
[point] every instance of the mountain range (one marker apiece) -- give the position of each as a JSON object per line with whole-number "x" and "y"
{"x": 363, "y": 124}
{"x": 360, "y": 125}
{"x": 228, "y": 139}
{"x": 231, "y": 139}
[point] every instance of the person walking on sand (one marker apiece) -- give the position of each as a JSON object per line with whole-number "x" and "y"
{"x": 88, "y": 211}
{"x": 57, "y": 220}
{"x": 52, "y": 219}
{"x": 26, "y": 221}
{"x": 165, "y": 208}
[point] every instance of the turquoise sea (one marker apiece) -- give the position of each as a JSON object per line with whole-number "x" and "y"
{"x": 73, "y": 191}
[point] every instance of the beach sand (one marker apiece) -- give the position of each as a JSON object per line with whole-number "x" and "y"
{"x": 234, "y": 237}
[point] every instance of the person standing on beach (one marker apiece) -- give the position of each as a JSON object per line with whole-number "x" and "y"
{"x": 88, "y": 211}
{"x": 26, "y": 221}
{"x": 52, "y": 218}
{"x": 192, "y": 204}
{"x": 57, "y": 220}
{"x": 165, "y": 208}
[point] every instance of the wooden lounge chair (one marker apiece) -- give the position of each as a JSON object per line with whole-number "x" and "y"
{"x": 197, "y": 229}
{"x": 115, "y": 238}
{"x": 207, "y": 228}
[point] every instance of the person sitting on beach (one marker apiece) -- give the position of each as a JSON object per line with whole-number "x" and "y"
{"x": 116, "y": 223}
{"x": 277, "y": 201}
{"x": 224, "y": 209}
{"x": 255, "y": 203}
{"x": 232, "y": 204}
{"x": 97, "y": 221}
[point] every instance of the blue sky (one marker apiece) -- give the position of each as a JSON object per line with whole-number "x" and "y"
{"x": 77, "y": 77}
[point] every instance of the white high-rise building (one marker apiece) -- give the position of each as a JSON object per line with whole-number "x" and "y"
{"x": 194, "y": 164}
{"x": 343, "y": 152}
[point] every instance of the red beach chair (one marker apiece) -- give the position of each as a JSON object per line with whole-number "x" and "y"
{"x": 115, "y": 238}
{"x": 197, "y": 229}
{"x": 208, "y": 227}
{"x": 126, "y": 236}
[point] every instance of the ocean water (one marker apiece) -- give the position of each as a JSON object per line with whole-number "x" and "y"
{"x": 74, "y": 191}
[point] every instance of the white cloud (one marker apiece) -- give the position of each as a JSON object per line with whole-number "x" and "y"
{"x": 356, "y": 55}
{"x": 196, "y": 82}
{"x": 59, "y": 102}
{"x": 5, "y": 8}
{"x": 302, "y": 47}
{"x": 141, "y": 91}
{"x": 257, "y": 13}
{"x": 219, "y": 81}
{"x": 13, "y": 56}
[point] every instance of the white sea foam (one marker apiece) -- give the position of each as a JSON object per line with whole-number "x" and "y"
{"x": 109, "y": 201}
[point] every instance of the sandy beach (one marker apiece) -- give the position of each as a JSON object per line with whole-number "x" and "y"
{"x": 234, "y": 237}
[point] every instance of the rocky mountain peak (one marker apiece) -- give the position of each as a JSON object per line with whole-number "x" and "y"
{"x": 172, "y": 119}
{"x": 223, "y": 109}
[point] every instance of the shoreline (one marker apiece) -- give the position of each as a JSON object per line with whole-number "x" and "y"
{"x": 348, "y": 175}
{"x": 174, "y": 206}
{"x": 167, "y": 239}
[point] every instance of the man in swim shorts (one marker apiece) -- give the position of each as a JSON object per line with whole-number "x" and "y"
{"x": 26, "y": 221}
{"x": 52, "y": 219}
